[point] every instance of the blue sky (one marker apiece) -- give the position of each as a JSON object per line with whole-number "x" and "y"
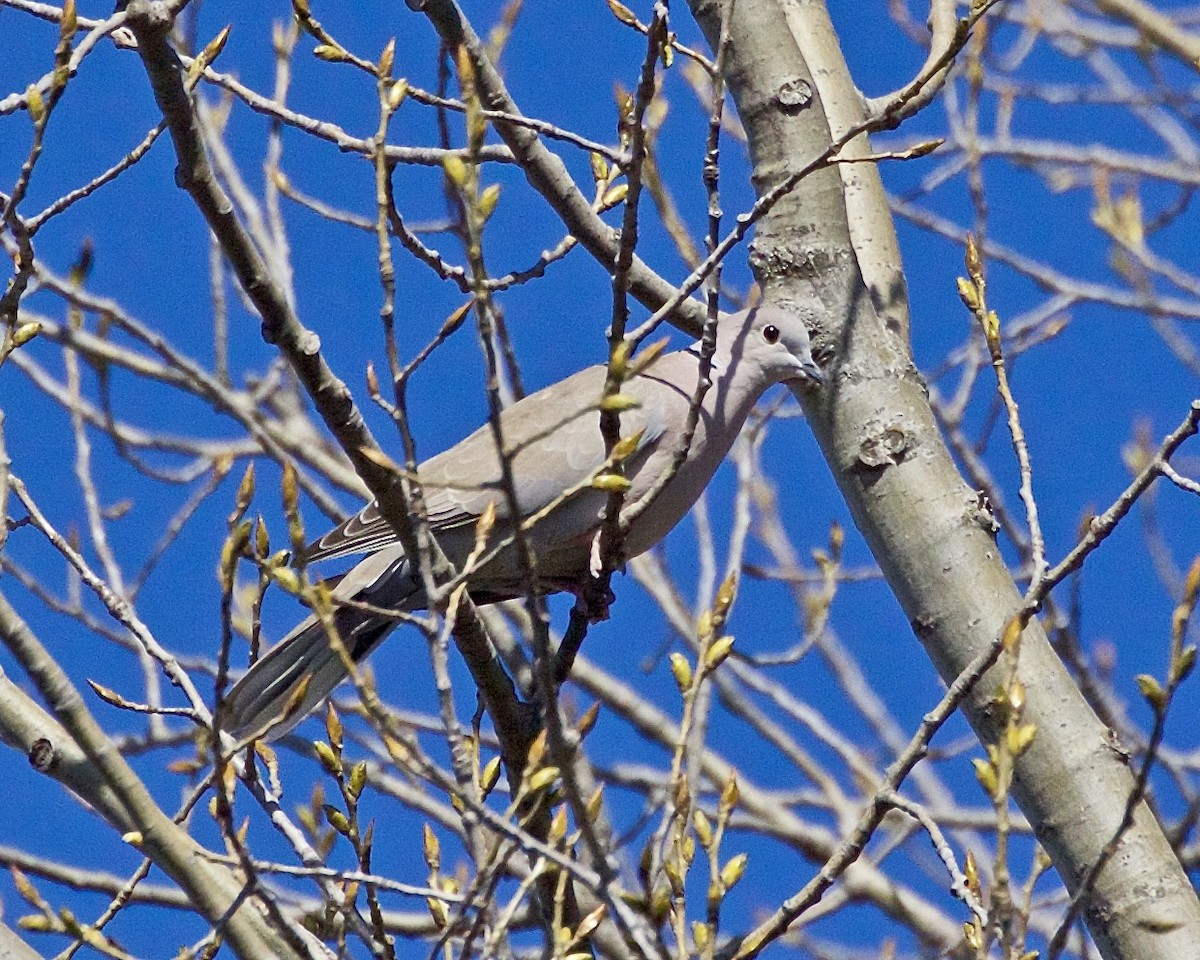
{"x": 1081, "y": 394}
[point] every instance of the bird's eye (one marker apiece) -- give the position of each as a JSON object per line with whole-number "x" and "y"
{"x": 771, "y": 333}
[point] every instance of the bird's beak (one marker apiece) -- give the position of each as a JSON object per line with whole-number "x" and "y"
{"x": 811, "y": 372}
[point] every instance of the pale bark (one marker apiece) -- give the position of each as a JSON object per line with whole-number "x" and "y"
{"x": 832, "y": 241}
{"x": 80, "y": 755}
{"x": 12, "y": 947}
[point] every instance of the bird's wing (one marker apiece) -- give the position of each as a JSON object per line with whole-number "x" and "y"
{"x": 556, "y": 437}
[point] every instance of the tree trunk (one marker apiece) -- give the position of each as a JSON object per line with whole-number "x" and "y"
{"x": 832, "y": 241}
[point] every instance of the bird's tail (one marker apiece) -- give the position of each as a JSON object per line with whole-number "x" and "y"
{"x": 268, "y": 700}
{"x": 300, "y": 671}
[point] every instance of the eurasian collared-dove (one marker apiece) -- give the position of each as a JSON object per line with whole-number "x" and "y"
{"x": 555, "y": 433}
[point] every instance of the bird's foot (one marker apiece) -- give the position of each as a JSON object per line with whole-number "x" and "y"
{"x": 590, "y": 605}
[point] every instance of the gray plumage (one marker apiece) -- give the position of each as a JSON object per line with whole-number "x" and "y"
{"x": 556, "y": 435}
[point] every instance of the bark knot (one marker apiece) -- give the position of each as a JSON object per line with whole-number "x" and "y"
{"x": 979, "y": 511}
{"x": 42, "y": 755}
{"x": 310, "y": 344}
{"x": 883, "y": 445}
{"x": 794, "y": 94}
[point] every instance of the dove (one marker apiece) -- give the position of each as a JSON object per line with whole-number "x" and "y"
{"x": 556, "y": 449}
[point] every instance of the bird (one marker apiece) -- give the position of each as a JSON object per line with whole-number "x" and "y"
{"x": 556, "y": 446}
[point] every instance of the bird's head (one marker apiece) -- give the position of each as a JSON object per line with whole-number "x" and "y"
{"x": 776, "y": 341}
